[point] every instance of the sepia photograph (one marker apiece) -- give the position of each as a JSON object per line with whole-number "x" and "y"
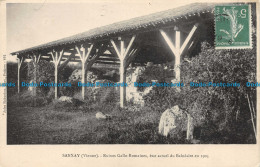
{"x": 79, "y": 73}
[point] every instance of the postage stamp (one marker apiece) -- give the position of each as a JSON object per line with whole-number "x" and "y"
{"x": 233, "y": 27}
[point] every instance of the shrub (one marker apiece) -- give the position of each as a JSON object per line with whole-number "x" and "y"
{"x": 214, "y": 107}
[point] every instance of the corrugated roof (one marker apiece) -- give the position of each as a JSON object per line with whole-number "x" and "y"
{"x": 128, "y": 26}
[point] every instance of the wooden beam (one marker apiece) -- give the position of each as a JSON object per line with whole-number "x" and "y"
{"x": 19, "y": 64}
{"x": 178, "y": 49}
{"x": 116, "y": 49}
{"x": 99, "y": 52}
{"x": 189, "y": 132}
{"x": 107, "y": 62}
{"x": 133, "y": 54}
{"x": 52, "y": 55}
{"x": 56, "y": 57}
{"x": 38, "y": 59}
{"x": 60, "y": 56}
{"x": 108, "y": 59}
{"x": 35, "y": 58}
{"x": 77, "y": 48}
{"x": 88, "y": 52}
{"x": 177, "y": 55}
{"x": 129, "y": 46}
{"x": 66, "y": 62}
{"x": 123, "y": 54}
{"x": 168, "y": 41}
{"x": 84, "y": 56}
{"x": 188, "y": 38}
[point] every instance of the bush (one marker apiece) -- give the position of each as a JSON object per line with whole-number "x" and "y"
{"x": 214, "y": 107}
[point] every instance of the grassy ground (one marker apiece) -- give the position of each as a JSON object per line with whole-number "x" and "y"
{"x": 78, "y": 125}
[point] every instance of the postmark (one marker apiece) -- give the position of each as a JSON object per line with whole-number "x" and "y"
{"x": 233, "y": 27}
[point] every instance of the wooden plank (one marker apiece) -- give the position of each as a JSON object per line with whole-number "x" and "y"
{"x": 107, "y": 66}
{"x": 107, "y": 62}
{"x": 45, "y": 57}
{"x": 111, "y": 57}
{"x": 108, "y": 58}
{"x": 75, "y": 60}
{"x": 74, "y": 55}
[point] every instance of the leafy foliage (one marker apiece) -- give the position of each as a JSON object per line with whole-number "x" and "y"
{"x": 214, "y": 108}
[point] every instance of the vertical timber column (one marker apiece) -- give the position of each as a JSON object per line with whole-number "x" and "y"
{"x": 177, "y": 56}
{"x": 178, "y": 50}
{"x": 189, "y": 133}
{"x": 123, "y": 55}
{"x": 56, "y": 77}
{"x": 56, "y": 57}
{"x": 83, "y": 80}
{"x": 84, "y": 57}
{"x": 122, "y": 77}
{"x": 35, "y": 77}
{"x": 19, "y": 63}
{"x": 36, "y": 59}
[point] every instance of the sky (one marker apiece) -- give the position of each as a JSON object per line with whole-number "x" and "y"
{"x": 31, "y": 24}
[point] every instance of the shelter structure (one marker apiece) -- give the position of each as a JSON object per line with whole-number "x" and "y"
{"x": 172, "y": 33}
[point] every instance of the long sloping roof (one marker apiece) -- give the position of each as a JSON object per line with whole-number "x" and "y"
{"x": 132, "y": 25}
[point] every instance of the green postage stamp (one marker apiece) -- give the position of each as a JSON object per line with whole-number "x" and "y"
{"x": 233, "y": 27}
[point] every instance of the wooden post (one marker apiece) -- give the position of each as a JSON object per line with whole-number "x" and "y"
{"x": 177, "y": 56}
{"x": 19, "y": 63}
{"x": 35, "y": 59}
{"x": 179, "y": 49}
{"x": 83, "y": 80}
{"x": 122, "y": 75}
{"x": 84, "y": 56}
{"x": 56, "y": 57}
{"x": 189, "y": 135}
{"x": 123, "y": 55}
{"x": 35, "y": 78}
{"x": 56, "y": 81}
{"x": 252, "y": 117}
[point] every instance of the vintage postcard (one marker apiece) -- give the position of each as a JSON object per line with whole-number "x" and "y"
{"x": 129, "y": 83}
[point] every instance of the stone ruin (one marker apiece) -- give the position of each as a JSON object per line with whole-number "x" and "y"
{"x": 173, "y": 121}
{"x": 135, "y": 94}
{"x": 134, "y": 74}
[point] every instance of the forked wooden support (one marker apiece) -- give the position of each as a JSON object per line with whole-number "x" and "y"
{"x": 123, "y": 54}
{"x": 178, "y": 49}
{"x": 56, "y": 58}
{"x": 61, "y": 66}
{"x": 35, "y": 58}
{"x": 19, "y": 63}
{"x": 84, "y": 53}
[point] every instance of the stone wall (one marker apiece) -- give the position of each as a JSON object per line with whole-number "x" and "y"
{"x": 149, "y": 73}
